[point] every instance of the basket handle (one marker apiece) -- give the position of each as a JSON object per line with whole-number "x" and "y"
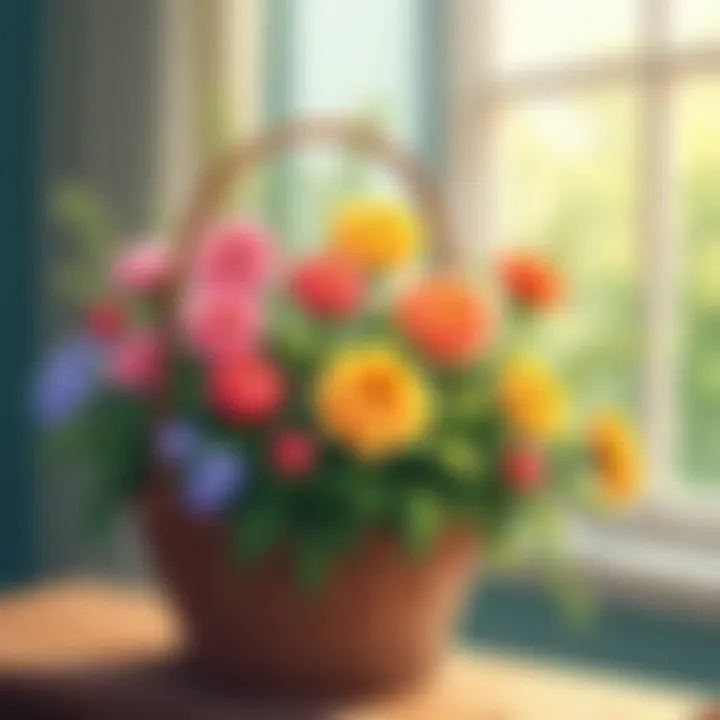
{"x": 235, "y": 163}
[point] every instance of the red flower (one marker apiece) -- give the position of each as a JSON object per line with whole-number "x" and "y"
{"x": 329, "y": 287}
{"x": 105, "y": 320}
{"x": 523, "y": 468}
{"x": 531, "y": 280}
{"x": 248, "y": 390}
{"x": 294, "y": 454}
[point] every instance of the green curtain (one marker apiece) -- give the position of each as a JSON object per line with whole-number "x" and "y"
{"x": 20, "y": 62}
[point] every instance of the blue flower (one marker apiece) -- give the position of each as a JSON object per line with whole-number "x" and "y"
{"x": 216, "y": 476}
{"x": 176, "y": 442}
{"x": 66, "y": 381}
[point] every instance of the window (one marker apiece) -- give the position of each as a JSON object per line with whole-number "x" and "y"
{"x": 593, "y": 131}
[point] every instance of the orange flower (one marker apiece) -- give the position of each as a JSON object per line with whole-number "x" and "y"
{"x": 373, "y": 401}
{"x": 531, "y": 280}
{"x": 445, "y": 318}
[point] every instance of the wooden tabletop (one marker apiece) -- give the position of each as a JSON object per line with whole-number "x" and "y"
{"x": 51, "y": 631}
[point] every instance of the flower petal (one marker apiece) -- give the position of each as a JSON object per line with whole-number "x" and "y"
{"x": 215, "y": 478}
{"x": 176, "y": 441}
{"x": 66, "y": 381}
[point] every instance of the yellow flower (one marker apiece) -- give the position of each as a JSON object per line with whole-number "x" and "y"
{"x": 380, "y": 235}
{"x": 372, "y": 401}
{"x": 532, "y": 398}
{"x": 616, "y": 454}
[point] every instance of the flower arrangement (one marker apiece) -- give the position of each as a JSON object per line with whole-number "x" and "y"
{"x": 319, "y": 398}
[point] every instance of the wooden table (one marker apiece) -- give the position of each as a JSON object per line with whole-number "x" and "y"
{"x": 49, "y": 637}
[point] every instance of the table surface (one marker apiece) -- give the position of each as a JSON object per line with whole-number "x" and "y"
{"x": 84, "y": 624}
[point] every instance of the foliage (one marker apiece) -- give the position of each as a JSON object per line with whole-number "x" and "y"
{"x": 88, "y": 236}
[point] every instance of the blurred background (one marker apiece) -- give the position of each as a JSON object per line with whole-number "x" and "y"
{"x": 589, "y": 128}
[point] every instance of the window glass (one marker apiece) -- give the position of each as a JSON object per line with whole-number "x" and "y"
{"x": 356, "y": 57}
{"x": 358, "y": 60}
{"x": 528, "y": 34}
{"x": 697, "y": 119}
{"x": 564, "y": 179}
{"x": 696, "y": 21}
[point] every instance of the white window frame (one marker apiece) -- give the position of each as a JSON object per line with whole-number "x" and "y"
{"x": 670, "y": 519}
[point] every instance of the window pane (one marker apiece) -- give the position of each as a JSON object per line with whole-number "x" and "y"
{"x": 564, "y": 178}
{"x": 698, "y": 157}
{"x": 355, "y": 57}
{"x": 696, "y": 21}
{"x": 530, "y": 33}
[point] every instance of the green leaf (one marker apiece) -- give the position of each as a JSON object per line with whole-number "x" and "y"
{"x": 258, "y": 530}
{"x": 295, "y": 339}
{"x": 74, "y": 285}
{"x": 350, "y": 492}
{"x": 369, "y": 500}
{"x": 312, "y": 563}
{"x": 120, "y": 441}
{"x": 67, "y": 444}
{"x": 347, "y": 536}
{"x": 577, "y": 604}
{"x": 82, "y": 214}
{"x": 462, "y": 460}
{"x": 89, "y": 235}
{"x": 421, "y": 518}
{"x": 188, "y": 387}
{"x": 103, "y": 510}
{"x": 562, "y": 580}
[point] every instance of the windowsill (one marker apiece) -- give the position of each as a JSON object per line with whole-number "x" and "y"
{"x": 678, "y": 518}
{"x": 657, "y": 611}
{"x": 656, "y": 570}
{"x": 519, "y": 618}
{"x": 116, "y": 625}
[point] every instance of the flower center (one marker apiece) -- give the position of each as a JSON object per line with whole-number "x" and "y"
{"x": 379, "y": 389}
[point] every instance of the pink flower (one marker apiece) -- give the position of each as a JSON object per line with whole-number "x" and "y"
{"x": 239, "y": 255}
{"x": 136, "y": 362}
{"x": 145, "y": 266}
{"x": 221, "y": 322}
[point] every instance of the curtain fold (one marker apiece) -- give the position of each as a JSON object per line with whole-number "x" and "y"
{"x": 100, "y": 126}
{"x": 20, "y": 50}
